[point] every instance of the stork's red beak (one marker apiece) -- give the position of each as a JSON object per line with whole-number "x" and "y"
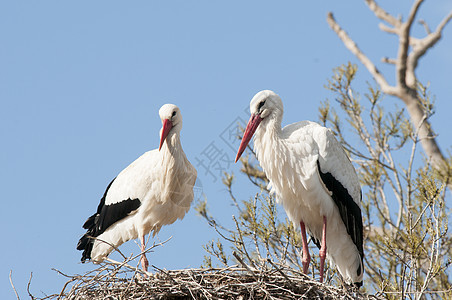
{"x": 253, "y": 123}
{"x": 167, "y": 125}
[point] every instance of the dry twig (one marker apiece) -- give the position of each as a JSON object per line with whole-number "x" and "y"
{"x": 12, "y": 284}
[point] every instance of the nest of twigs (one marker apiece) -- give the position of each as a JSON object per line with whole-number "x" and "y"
{"x": 114, "y": 280}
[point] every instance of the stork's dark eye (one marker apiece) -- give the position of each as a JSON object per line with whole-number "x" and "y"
{"x": 174, "y": 113}
{"x": 260, "y": 105}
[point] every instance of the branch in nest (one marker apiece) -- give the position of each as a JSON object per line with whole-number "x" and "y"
{"x": 280, "y": 282}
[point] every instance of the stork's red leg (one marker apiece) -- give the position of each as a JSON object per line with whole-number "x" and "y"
{"x": 144, "y": 260}
{"x": 322, "y": 251}
{"x": 306, "y": 257}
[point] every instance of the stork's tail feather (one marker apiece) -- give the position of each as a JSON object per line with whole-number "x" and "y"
{"x": 360, "y": 272}
{"x": 85, "y": 243}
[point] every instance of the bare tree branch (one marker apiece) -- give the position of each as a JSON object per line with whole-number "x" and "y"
{"x": 351, "y": 45}
{"x": 421, "y": 47}
{"x": 392, "y": 30}
{"x": 382, "y": 14}
{"x": 426, "y": 27}
{"x": 388, "y": 60}
{"x": 402, "y": 54}
{"x": 405, "y": 64}
{"x": 12, "y": 284}
{"x": 413, "y": 12}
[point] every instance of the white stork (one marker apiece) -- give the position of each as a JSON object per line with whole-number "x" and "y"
{"x": 155, "y": 190}
{"x": 315, "y": 181}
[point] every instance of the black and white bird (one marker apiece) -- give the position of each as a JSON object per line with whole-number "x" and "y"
{"x": 155, "y": 190}
{"x": 313, "y": 178}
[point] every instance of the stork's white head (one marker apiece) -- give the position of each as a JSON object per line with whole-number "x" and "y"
{"x": 265, "y": 106}
{"x": 171, "y": 121}
{"x": 266, "y": 103}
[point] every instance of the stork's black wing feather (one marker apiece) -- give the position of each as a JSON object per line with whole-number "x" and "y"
{"x": 105, "y": 216}
{"x": 91, "y": 220}
{"x": 349, "y": 210}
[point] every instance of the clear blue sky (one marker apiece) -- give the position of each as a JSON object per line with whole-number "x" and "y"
{"x": 81, "y": 84}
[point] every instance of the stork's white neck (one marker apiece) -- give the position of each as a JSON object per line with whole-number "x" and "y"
{"x": 269, "y": 131}
{"x": 172, "y": 147}
{"x": 176, "y": 175}
{"x": 270, "y": 146}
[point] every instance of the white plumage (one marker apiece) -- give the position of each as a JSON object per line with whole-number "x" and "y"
{"x": 153, "y": 191}
{"x": 311, "y": 175}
